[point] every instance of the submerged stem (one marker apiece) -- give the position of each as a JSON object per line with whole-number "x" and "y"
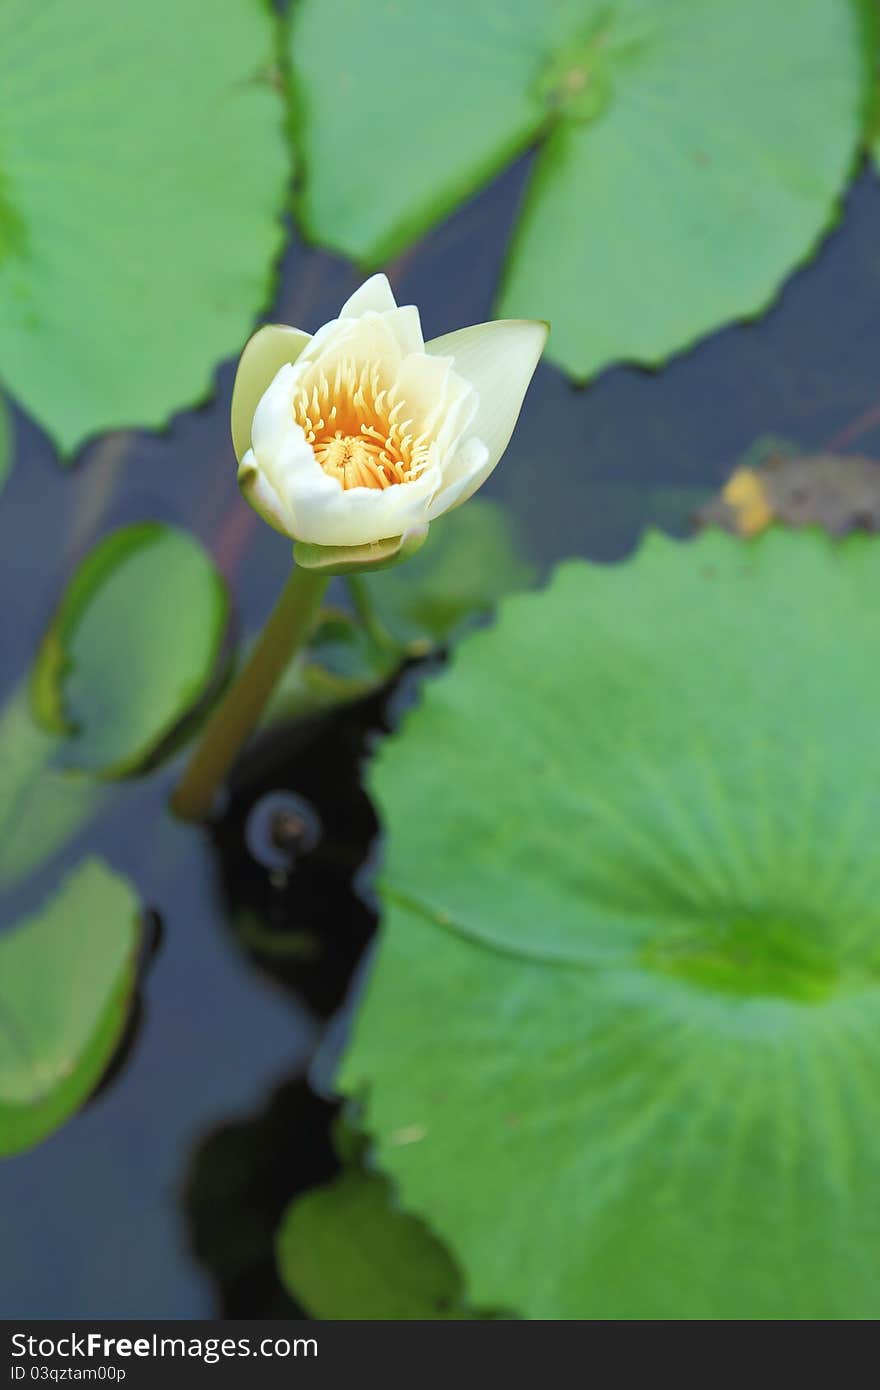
{"x": 235, "y": 718}
{"x": 366, "y": 612}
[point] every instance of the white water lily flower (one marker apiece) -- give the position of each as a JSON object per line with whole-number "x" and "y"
{"x": 364, "y": 433}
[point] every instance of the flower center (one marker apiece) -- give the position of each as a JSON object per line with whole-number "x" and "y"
{"x": 356, "y": 428}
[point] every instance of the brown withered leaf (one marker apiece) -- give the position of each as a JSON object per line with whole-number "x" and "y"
{"x": 837, "y": 492}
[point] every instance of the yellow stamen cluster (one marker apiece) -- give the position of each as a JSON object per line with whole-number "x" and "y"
{"x": 355, "y": 426}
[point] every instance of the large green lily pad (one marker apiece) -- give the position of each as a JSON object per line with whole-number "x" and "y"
{"x": 692, "y": 152}
{"x": 621, "y": 1044}
{"x": 66, "y": 976}
{"x": 133, "y": 647}
{"x": 142, "y": 177}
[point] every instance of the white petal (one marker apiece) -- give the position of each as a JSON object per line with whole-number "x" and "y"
{"x": 267, "y": 351}
{"x": 280, "y": 449}
{"x": 327, "y": 514}
{"x": 262, "y": 496}
{"x": 499, "y": 360}
{"x": 370, "y": 340}
{"x": 406, "y": 325}
{"x": 375, "y": 294}
{"x": 439, "y": 401}
{"x": 274, "y": 415}
{"x": 382, "y": 338}
{"x": 330, "y": 334}
{"x": 324, "y": 512}
{"x": 472, "y": 466}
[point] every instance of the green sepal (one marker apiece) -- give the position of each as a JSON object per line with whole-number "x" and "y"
{"x": 359, "y": 559}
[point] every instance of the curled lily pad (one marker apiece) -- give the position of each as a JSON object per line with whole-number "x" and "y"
{"x": 691, "y": 152}
{"x": 344, "y": 1251}
{"x": 470, "y": 560}
{"x": 340, "y": 665}
{"x": 467, "y": 563}
{"x": 66, "y": 977}
{"x": 41, "y": 806}
{"x": 142, "y": 178}
{"x": 133, "y": 647}
{"x": 630, "y": 963}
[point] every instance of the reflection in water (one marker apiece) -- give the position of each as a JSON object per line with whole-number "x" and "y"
{"x": 241, "y": 1179}
{"x": 280, "y": 829}
{"x": 294, "y": 910}
{"x": 151, "y": 943}
{"x": 91, "y": 1222}
{"x": 302, "y": 923}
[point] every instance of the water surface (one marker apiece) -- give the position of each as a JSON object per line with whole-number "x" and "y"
{"x": 159, "y": 1199}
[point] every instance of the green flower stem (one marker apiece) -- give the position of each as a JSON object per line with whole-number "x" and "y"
{"x": 235, "y": 718}
{"x": 370, "y": 620}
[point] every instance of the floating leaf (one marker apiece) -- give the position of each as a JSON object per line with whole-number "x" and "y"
{"x": 694, "y": 150}
{"x": 871, "y": 22}
{"x": 142, "y": 177}
{"x": 66, "y": 976}
{"x": 121, "y": 665}
{"x": 344, "y": 1251}
{"x": 464, "y": 79}
{"x": 628, "y": 990}
{"x": 41, "y": 807}
{"x": 5, "y": 442}
{"x": 469, "y": 561}
{"x": 133, "y": 646}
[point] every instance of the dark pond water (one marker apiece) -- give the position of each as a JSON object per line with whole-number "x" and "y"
{"x": 159, "y": 1200}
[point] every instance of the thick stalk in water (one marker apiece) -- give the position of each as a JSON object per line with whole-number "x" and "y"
{"x": 238, "y": 713}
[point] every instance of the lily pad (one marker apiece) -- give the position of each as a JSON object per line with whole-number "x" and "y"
{"x": 41, "y": 806}
{"x": 692, "y": 153}
{"x": 621, "y": 1044}
{"x": 133, "y": 647}
{"x": 143, "y": 172}
{"x": 344, "y": 1251}
{"x": 5, "y": 442}
{"x": 66, "y": 976}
